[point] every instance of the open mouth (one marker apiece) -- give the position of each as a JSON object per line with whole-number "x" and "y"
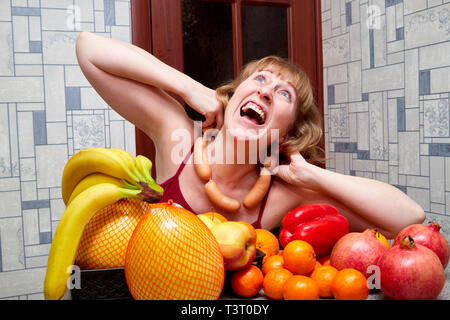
{"x": 253, "y": 112}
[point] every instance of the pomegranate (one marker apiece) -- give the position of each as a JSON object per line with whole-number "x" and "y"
{"x": 428, "y": 236}
{"x": 357, "y": 250}
{"x": 410, "y": 271}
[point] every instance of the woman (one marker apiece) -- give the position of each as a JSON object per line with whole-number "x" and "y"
{"x": 137, "y": 86}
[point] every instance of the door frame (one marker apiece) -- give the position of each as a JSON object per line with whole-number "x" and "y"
{"x": 156, "y": 27}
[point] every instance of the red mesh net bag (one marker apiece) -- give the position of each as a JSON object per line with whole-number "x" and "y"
{"x": 105, "y": 238}
{"x": 172, "y": 255}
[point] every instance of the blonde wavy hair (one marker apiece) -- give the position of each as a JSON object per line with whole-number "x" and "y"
{"x": 307, "y": 126}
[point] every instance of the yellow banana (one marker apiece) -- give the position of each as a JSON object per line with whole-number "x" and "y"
{"x": 92, "y": 160}
{"x": 70, "y": 229}
{"x": 144, "y": 165}
{"x": 130, "y": 161}
{"x": 93, "y": 179}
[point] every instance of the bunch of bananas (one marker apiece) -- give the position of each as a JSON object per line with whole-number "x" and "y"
{"x": 93, "y": 179}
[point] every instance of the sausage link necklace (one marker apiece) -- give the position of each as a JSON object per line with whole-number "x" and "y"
{"x": 215, "y": 195}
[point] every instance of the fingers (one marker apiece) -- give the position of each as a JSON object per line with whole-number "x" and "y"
{"x": 296, "y": 157}
{"x": 286, "y": 171}
{"x": 219, "y": 119}
{"x": 213, "y": 120}
{"x": 282, "y": 172}
{"x": 209, "y": 122}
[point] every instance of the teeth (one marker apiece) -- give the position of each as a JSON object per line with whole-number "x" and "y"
{"x": 255, "y": 108}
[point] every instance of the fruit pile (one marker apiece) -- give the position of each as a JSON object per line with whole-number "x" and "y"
{"x": 296, "y": 273}
{"x": 356, "y": 262}
{"x": 112, "y": 220}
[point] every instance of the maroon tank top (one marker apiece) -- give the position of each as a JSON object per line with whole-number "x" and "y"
{"x": 172, "y": 191}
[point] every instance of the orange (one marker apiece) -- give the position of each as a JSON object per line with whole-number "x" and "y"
{"x": 267, "y": 242}
{"x": 274, "y": 282}
{"x": 317, "y": 265}
{"x": 383, "y": 240}
{"x": 324, "y": 259}
{"x": 324, "y": 277}
{"x": 299, "y": 257}
{"x": 349, "y": 284}
{"x": 300, "y": 287}
{"x": 247, "y": 282}
{"x": 280, "y": 253}
{"x": 215, "y": 216}
{"x": 272, "y": 262}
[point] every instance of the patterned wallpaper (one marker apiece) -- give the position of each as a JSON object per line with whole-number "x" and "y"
{"x": 48, "y": 111}
{"x": 387, "y": 83}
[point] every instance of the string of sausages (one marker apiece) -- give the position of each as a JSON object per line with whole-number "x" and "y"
{"x": 215, "y": 195}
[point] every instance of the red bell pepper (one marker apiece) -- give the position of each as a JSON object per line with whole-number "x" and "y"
{"x": 320, "y": 225}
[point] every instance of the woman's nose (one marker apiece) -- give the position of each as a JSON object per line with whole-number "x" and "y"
{"x": 265, "y": 94}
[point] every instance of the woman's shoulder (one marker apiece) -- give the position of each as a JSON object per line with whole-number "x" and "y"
{"x": 280, "y": 200}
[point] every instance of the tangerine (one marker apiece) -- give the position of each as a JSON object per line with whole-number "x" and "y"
{"x": 349, "y": 284}
{"x": 274, "y": 282}
{"x": 299, "y": 257}
{"x": 300, "y": 287}
{"x": 324, "y": 277}
{"x": 267, "y": 242}
{"x": 247, "y": 282}
{"x": 271, "y": 263}
{"x": 317, "y": 265}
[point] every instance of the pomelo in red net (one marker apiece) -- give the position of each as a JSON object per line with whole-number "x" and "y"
{"x": 105, "y": 238}
{"x": 172, "y": 255}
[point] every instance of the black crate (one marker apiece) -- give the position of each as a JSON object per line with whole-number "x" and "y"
{"x": 110, "y": 284}
{"x": 102, "y": 284}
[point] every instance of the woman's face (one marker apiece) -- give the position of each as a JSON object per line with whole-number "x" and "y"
{"x": 263, "y": 102}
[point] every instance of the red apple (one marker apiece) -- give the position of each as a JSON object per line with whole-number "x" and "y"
{"x": 237, "y": 242}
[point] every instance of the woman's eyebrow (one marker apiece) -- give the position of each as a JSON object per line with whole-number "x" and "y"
{"x": 279, "y": 74}
{"x": 290, "y": 84}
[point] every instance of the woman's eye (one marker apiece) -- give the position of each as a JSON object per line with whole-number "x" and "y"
{"x": 260, "y": 79}
{"x": 286, "y": 94}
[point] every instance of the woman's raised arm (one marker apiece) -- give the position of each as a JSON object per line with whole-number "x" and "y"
{"x": 135, "y": 84}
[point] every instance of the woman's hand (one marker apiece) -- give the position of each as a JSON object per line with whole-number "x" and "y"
{"x": 297, "y": 172}
{"x": 203, "y": 100}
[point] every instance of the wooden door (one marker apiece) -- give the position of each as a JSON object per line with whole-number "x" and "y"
{"x": 182, "y": 33}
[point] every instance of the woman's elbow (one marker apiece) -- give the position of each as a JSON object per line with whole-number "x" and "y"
{"x": 82, "y": 44}
{"x": 418, "y": 216}
{"x": 415, "y": 215}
